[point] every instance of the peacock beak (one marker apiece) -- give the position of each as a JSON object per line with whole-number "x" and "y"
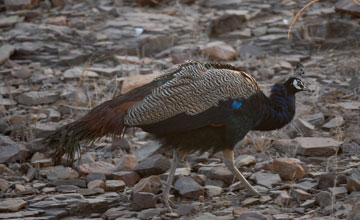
{"x": 306, "y": 88}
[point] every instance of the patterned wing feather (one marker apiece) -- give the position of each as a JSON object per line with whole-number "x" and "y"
{"x": 192, "y": 89}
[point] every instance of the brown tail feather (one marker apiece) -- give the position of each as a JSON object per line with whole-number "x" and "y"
{"x": 105, "y": 119}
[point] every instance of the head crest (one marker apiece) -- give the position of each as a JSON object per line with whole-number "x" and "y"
{"x": 298, "y": 70}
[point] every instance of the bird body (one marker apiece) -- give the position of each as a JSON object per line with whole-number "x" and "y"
{"x": 191, "y": 107}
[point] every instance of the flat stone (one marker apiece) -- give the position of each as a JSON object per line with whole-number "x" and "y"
{"x": 209, "y": 216}
{"x": 283, "y": 199}
{"x": 37, "y": 98}
{"x": 185, "y": 209}
{"x": 348, "y": 7}
{"x": 253, "y": 215}
{"x": 288, "y": 169}
{"x": 10, "y": 21}
{"x": 96, "y": 184}
{"x": 250, "y": 202}
{"x": 148, "y": 213}
{"x": 266, "y": 179}
{"x": 67, "y": 189}
{"x": 244, "y": 160}
{"x": 11, "y": 153}
{"x": 143, "y": 200}
{"x": 300, "y": 194}
{"x": 75, "y": 182}
{"x": 126, "y": 163}
{"x": 12, "y": 205}
{"x": 154, "y": 165}
{"x": 5, "y": 52}
{"x": 308, "y": 203}
{"x": 188, "y": 187}
{"x": 218, "y": 173}
{"x": 61, "y": 172}
{"x": 47, "y": 162}
{"x": 150, "y": 184}
{"x": 333, "y": 123}
{"x": 323, "y": 199}
{"x": 353, "y": 183}
{"x": 220, "y": 51}
{"x": 212, "y": 191}
{"x": 129, "y": 177}
{"x": 152, "y": 147}
{"x": 114, "y": 185}
{"x": 331, "y": 179}
{"x": 338, "y": 191}
{"x": 300, "y": 127}
{"x": 97, "y": 167}
{"x": 76, "y": 73}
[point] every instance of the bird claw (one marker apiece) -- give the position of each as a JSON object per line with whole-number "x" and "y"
{"x": 165, "y": 200}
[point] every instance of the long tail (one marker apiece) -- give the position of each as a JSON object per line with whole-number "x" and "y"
{"x": 105, "y": 119}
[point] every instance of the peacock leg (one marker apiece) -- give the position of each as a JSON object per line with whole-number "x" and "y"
{"x": 170, "y": 179}
{"x": 229, "y": 162}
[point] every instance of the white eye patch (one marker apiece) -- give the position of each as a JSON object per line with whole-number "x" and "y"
{"x": 298, "y": 84}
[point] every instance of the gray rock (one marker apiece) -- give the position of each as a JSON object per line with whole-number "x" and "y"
{"x": 143, "y": 200}
{"x": 20, "y": 4}
{"x": 153, "y": 165}
{"x": 333, "y": 123}
{"x": 95, "y": 176}
{"x": 217, "y": 173}
{"x": 247, "y": 51}
{"x": 331, "y": 179}
{"x": 42, "y": 130}
{"x": 114, "y": 185}
{"x": 253, "y": 215}
{"x": 213, "y": 190}
{"x": 37, "y": 98}
{"x": 4, "y": 185}
{"x": 323, "y": 199}
{"x": 348, "y": 7}
{"x": 188, "y": 187}
{"x": 355, "y": 212}
{"x": 209, "y": 216}
{"x": 184, "y": 210}
{"x": 75, "y": 182}
{"x": 266, "y": 179}
{"x": 9, "y": 21}
{"x": 11, "y": 153}
{"x": 61, "y": 172}
{"x": 148, "y": 213}
{"x": 144, "y": 152}
{"x": 67, "y": 189}
{"x": 5, "y": 52}
{"x": 229, "y": 21}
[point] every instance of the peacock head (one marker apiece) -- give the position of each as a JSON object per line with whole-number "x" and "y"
{"x": 294, "y": 83}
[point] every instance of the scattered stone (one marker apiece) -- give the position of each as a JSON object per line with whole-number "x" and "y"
{"x": 75, "y": 182}
{"x": 308, "y": 203}
{"x": 250, "y": 202}
{"x": 132, "y": 82}
{"x": 331, "y": 179}
{"x": 67, "y": 189}
{"x": 150, "y": 184}
{"x": 37, "y": 98}
{"x": 61, "y": 172}
{"x": 11, "y": 153}
{"x": 333, "y": 123}
{"x": 253, "y": 215}
{"x": 43, "y": 163}
{"x": 315, "y": 119}
{"x": 129, "y": 177}
{"x": 96, "y": 184}
{"x": 288, "y": 168}
{"x": 349, "y": 7}
{"x": 212, "y": 191}
{"x": 9, "y": 21}
{"x": 355, "y": 212}
{"x": 148, "y": 213}
{"x": 154, "y": 165}
{"x": 188, "y": 187}
{"x": 283, "y": 200}
{"x": 229, "y": 21}
{"x": 126, "y": 163}
{"x": 12, "y": 205}
{"x": 218, "y": 173}
{"x": 5, "y": 52}
{"x": 114, "y": 185}
{"x": 266, "y": 179}
{"x": 338, "y": 191}
{"x": 4, "y": 185}
{"x": 220, "y": 51}
{"x": 353, "y": 183}
{"x": 60, "y": 20}
{"x": 244, "y": 160}
{"x": 300, "y": 127}
{"x": 184, "y": 210}
{"x": 76, "y": 73}
{"x": 97, "y": 167}
{"x": 143, "y": 200}
{"x": 323, "y": 199}
{"x": 20, "y": 4}
{"x": 300, "y": 194}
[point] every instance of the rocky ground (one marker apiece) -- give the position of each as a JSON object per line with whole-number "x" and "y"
{"x": 60, "y": 58}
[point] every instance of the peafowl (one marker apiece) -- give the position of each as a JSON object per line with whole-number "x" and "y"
{"x": 191, "y": 107}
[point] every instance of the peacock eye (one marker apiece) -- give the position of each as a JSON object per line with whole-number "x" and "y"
{"x": 298, "y": 84}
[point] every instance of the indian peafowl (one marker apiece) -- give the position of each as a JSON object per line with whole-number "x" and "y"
{"x": 191, "y": 107}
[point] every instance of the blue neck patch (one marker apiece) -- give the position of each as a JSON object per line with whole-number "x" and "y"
{"x": 237, "y": 103}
